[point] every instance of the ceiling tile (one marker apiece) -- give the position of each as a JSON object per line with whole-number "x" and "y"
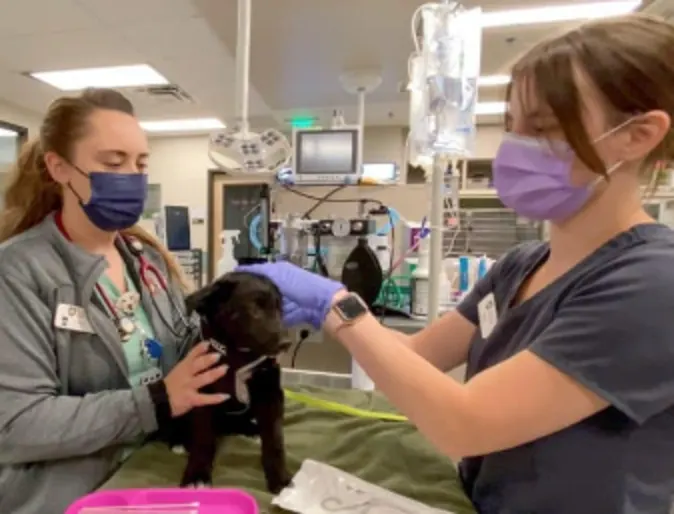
{"x": 116, "y": 12}
{"x": 25, "y": 92}
{"x": 211, "y": 80}
{"x": 191, "y": 38}
{"x": 67, "y": 50}
{"x": 20, "y": 17}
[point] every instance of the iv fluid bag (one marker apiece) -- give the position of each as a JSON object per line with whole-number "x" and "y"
{"x": 451, "y": 49}
{"x": 417, "y": 83}
{"x": 418, "y": 148}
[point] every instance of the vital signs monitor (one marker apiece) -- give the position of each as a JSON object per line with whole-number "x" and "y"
{"x": 326, "y": 156}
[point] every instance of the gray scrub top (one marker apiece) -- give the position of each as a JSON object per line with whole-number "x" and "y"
{"x": 609, "y": 324}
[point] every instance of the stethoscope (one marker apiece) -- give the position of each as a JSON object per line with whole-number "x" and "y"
{"x": 153, "y": 281}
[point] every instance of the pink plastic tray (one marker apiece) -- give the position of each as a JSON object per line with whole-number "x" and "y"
{"x": 210, "y": 501}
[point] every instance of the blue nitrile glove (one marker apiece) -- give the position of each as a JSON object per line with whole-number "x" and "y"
{"x": 307, "y": 297}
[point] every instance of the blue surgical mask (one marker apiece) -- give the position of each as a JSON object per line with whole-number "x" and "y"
{"x": 117, "y": 199}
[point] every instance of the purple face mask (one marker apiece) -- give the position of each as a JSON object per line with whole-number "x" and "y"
{"x": 533, "y": 178}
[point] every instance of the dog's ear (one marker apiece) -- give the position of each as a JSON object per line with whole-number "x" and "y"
{"x": 210, "y": 298}
{"x": 195, "y": 301}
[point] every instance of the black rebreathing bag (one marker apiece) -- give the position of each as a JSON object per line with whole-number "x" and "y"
{"x": 362, "y": 274}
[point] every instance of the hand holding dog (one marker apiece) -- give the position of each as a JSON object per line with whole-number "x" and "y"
{"x": 307, "y": 297}
{"x": 195, "y": 371}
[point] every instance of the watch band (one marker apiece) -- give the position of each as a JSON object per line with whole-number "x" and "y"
{"x": 161, "y": 401}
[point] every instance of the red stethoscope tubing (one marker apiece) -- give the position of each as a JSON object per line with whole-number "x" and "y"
{"x": 145, "y": 269}
{"x": 108, "y": 303}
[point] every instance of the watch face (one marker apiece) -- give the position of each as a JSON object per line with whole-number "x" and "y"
{"x": 351, "y": 307}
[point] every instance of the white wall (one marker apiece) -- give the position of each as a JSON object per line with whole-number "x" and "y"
{"x": 18, "y": 116}
{"x": 488, "y": 139}
{"x": 180, "y": 164}
{"x": 8, "y": 150}
{"x": 8, "y": 145}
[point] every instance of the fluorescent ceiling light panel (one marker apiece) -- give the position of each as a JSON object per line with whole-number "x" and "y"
{"x": 135, "y": 75}
{"x": 487, "y": 108}
{"x": 186, "y": 125}
{"x": 558, "y": 13}
{"x": 7, "y": 133}
{"x": 493, "y": 80}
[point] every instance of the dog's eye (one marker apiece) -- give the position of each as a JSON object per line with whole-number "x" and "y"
{"x": 263, "y": 303}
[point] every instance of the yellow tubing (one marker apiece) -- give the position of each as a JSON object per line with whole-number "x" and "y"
{"x": 319, "y": 403}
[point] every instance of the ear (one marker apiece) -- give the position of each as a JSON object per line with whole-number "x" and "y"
{"x": 646, "y": 133}
{"x": 57, "y": 167}
{"x": 195, "y": 301}
{"x": 210, "y": 298}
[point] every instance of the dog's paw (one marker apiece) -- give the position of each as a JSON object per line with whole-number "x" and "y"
{"x": 276, "y": 484}
{"x": 196, "y": 480}
{"x": 179, "y": 450}
{"x": 250, "y": 429}
{"x": 197, "y": 485}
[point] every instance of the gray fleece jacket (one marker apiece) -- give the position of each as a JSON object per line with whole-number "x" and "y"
{"x": 66, "y": 406}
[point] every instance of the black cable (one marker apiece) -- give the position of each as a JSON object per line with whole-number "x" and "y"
{"x": 331, "y": 200}
{"x": 319, "y": 201}
{"x": 318, "y": 254}
{"x": 318, "y": 257}
{"x": 322, "y": 200}
{"x": 389, "y": 273}
{"x": 327, "y": 198}
{"x": 304, "y": 335}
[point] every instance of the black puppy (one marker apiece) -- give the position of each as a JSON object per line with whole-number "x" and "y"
{"x": 241, "y": 318}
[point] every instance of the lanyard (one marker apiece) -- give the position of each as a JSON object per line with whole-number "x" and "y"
{"x": 146, "y": 268}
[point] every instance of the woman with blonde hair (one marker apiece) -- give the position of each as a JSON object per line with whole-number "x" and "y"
{"x": 89, "y": 353}
{"x": 568, "y": 406}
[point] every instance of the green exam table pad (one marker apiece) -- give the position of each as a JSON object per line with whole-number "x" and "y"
{"x": 391, "y": 454}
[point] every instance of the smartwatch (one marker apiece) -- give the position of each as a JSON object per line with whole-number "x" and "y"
{"x": 349, "y": 309}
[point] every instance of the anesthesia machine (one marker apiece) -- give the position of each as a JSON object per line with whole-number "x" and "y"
{"x": 359, "y": 249}
{"x": 411, "y": 278}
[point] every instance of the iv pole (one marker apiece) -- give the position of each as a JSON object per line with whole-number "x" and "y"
{"x": 436, "y": 223}
{"x": 243, "y": 62}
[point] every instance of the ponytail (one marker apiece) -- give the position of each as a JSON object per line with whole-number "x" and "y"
{"x": 31, "y": 193}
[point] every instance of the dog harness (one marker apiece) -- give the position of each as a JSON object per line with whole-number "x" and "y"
{"x": 239, "y": 372}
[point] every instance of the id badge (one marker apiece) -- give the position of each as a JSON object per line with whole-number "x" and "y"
{"x": 487, "y": 315}
{"x": 151, "y": 376}
{"x": 72, "y": 318}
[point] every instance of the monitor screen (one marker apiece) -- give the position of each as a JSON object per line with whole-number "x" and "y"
{"x": 327, "y": 151}
{"x": 384, "y": 172}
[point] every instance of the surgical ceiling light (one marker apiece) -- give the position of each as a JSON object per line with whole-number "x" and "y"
{"x": 184, "y": 125}
{"x": 237, "y": 147}
{"x": 135, "y": 75}
{"x": 558, "y": 13}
